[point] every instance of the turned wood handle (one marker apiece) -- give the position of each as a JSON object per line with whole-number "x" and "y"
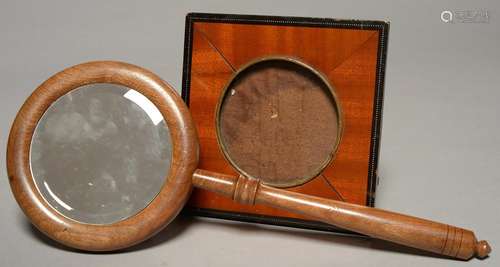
{"x": 398, "y": 228}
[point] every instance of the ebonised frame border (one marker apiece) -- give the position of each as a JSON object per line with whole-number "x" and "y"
{"x": 381, "y": 26}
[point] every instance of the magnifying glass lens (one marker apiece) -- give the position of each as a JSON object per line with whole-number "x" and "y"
{"x": 100, "y": 153}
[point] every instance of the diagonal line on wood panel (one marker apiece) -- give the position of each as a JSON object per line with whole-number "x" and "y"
{"x": 361, "y": 46}
{"x": 333, "y": 187}
{"x": 216, "y": 49}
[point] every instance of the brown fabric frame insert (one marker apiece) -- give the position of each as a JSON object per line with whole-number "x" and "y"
{"x": 279, "y": 121}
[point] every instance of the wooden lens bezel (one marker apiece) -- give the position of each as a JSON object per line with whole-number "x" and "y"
{"x": 132, "y": 230}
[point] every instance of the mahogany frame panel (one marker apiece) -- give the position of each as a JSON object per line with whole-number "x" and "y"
{"x": 219, "y": 207}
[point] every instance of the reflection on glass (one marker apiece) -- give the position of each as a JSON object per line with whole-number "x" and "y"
{"x": 100, "y": 153}
{"x": 146, "y": 105}
{"x": 56, "y": 198}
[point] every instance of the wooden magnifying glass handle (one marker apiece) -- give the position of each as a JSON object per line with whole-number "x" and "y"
{"x": 398, "y": 228}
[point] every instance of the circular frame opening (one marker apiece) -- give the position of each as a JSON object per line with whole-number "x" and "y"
{"x": 307, "y": 78}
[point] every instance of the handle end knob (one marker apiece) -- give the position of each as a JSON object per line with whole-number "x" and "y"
{"x": 483, "y": 249}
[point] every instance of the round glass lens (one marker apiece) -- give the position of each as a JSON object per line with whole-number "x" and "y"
{"x": 100, "y": 153}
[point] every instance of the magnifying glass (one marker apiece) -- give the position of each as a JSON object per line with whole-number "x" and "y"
{"x": 103, "y": 155}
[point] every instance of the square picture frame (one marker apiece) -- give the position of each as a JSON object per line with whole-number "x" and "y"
{"x": 352, "y": 56}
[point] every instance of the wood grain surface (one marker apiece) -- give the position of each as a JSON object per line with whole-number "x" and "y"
{"x": 439, "y": 238}
{"x": 347, "y": 58}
